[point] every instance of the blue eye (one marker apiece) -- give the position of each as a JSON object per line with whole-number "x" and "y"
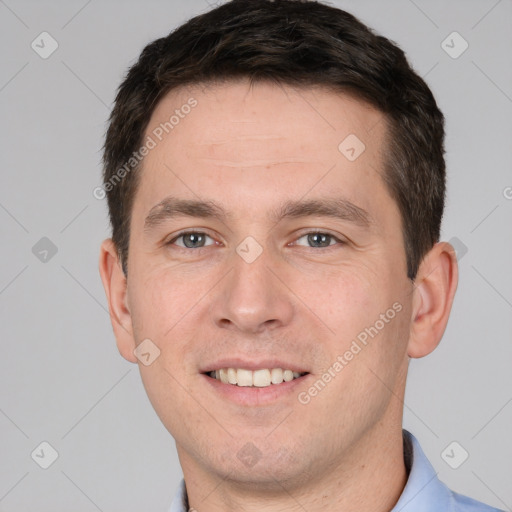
{"x": 318, "y": 239}
{"x": 191, "y": 240}
{"x": 198, "y": 240}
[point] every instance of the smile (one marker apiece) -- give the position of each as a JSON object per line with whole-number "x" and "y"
{"x": 258, "y": 378}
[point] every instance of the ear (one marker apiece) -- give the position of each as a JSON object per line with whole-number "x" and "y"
{"x": 434, "y": 289}
{"x": 114, "y": 282}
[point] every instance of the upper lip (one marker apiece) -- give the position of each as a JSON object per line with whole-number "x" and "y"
{"x": 253, "y": 365}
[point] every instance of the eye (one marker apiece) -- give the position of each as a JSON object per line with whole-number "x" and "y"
{"x": 319, "y": 239}
{"x": 191, "y": 240}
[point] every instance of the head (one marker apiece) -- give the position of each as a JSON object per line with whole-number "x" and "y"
{"x": 307, "y": 157}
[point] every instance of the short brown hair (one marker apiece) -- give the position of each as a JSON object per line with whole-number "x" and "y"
{"x": 300, "y": 43}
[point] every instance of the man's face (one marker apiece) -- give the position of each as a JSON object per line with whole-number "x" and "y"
{"x": 269, "y": 284}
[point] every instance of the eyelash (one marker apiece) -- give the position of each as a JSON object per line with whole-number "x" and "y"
{"x": 315, "y": 232}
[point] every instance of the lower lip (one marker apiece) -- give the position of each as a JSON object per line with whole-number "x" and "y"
{"x": 252, "y": 395}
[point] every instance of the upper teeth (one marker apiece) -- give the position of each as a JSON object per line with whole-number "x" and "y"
{"x": 257, "y": 378}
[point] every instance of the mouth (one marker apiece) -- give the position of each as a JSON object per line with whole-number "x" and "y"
{"x": 258, "y": 378}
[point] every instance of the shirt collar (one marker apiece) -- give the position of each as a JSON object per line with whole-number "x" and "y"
{"x": 423, "y": 491}
{"x": 180, "y": 501}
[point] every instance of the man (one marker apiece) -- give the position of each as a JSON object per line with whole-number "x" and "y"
{"x": 276, "y": 182}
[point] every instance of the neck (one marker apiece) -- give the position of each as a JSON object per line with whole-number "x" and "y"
{"x": 370, "y": 478}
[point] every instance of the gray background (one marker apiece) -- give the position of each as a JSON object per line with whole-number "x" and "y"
{"x": 63, "y": 380}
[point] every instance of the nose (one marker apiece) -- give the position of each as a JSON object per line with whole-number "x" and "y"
{"x": 253, "y": 297}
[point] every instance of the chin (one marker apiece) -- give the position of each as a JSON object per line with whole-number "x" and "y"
{"x": 261, "y": 464}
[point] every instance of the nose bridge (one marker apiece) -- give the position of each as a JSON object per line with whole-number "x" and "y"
{"x": 252, "y": 298}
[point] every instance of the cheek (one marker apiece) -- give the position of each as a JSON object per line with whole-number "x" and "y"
{"x": 345, "y": 298}
{"x": 366, "y": 311}
{"x": 160, "y": 301}
{"x": 162, "y": 304}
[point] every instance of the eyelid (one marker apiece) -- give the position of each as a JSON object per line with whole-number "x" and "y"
{"x": 302, "y": 234}
{"x": 321, "y": 232}
{"x": 178, "y": 235}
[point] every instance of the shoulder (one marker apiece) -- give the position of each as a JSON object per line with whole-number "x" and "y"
{"x": 424, "y": 492}
{"x": 461, "y": 503}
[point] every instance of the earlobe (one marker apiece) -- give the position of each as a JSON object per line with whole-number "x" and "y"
{"x": 433, "y": 294}
{"x": 114, "y": 282}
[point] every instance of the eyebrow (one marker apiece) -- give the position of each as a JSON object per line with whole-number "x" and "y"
{"x": 172, "y": 207}
{"x": 338, "y": 208}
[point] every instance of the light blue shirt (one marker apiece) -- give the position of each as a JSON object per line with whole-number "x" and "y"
{"x": 424, "y": 492}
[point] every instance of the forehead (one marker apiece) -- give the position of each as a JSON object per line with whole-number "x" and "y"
{"x": 236, "y": 141}
{"x": 281, "y": 117}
